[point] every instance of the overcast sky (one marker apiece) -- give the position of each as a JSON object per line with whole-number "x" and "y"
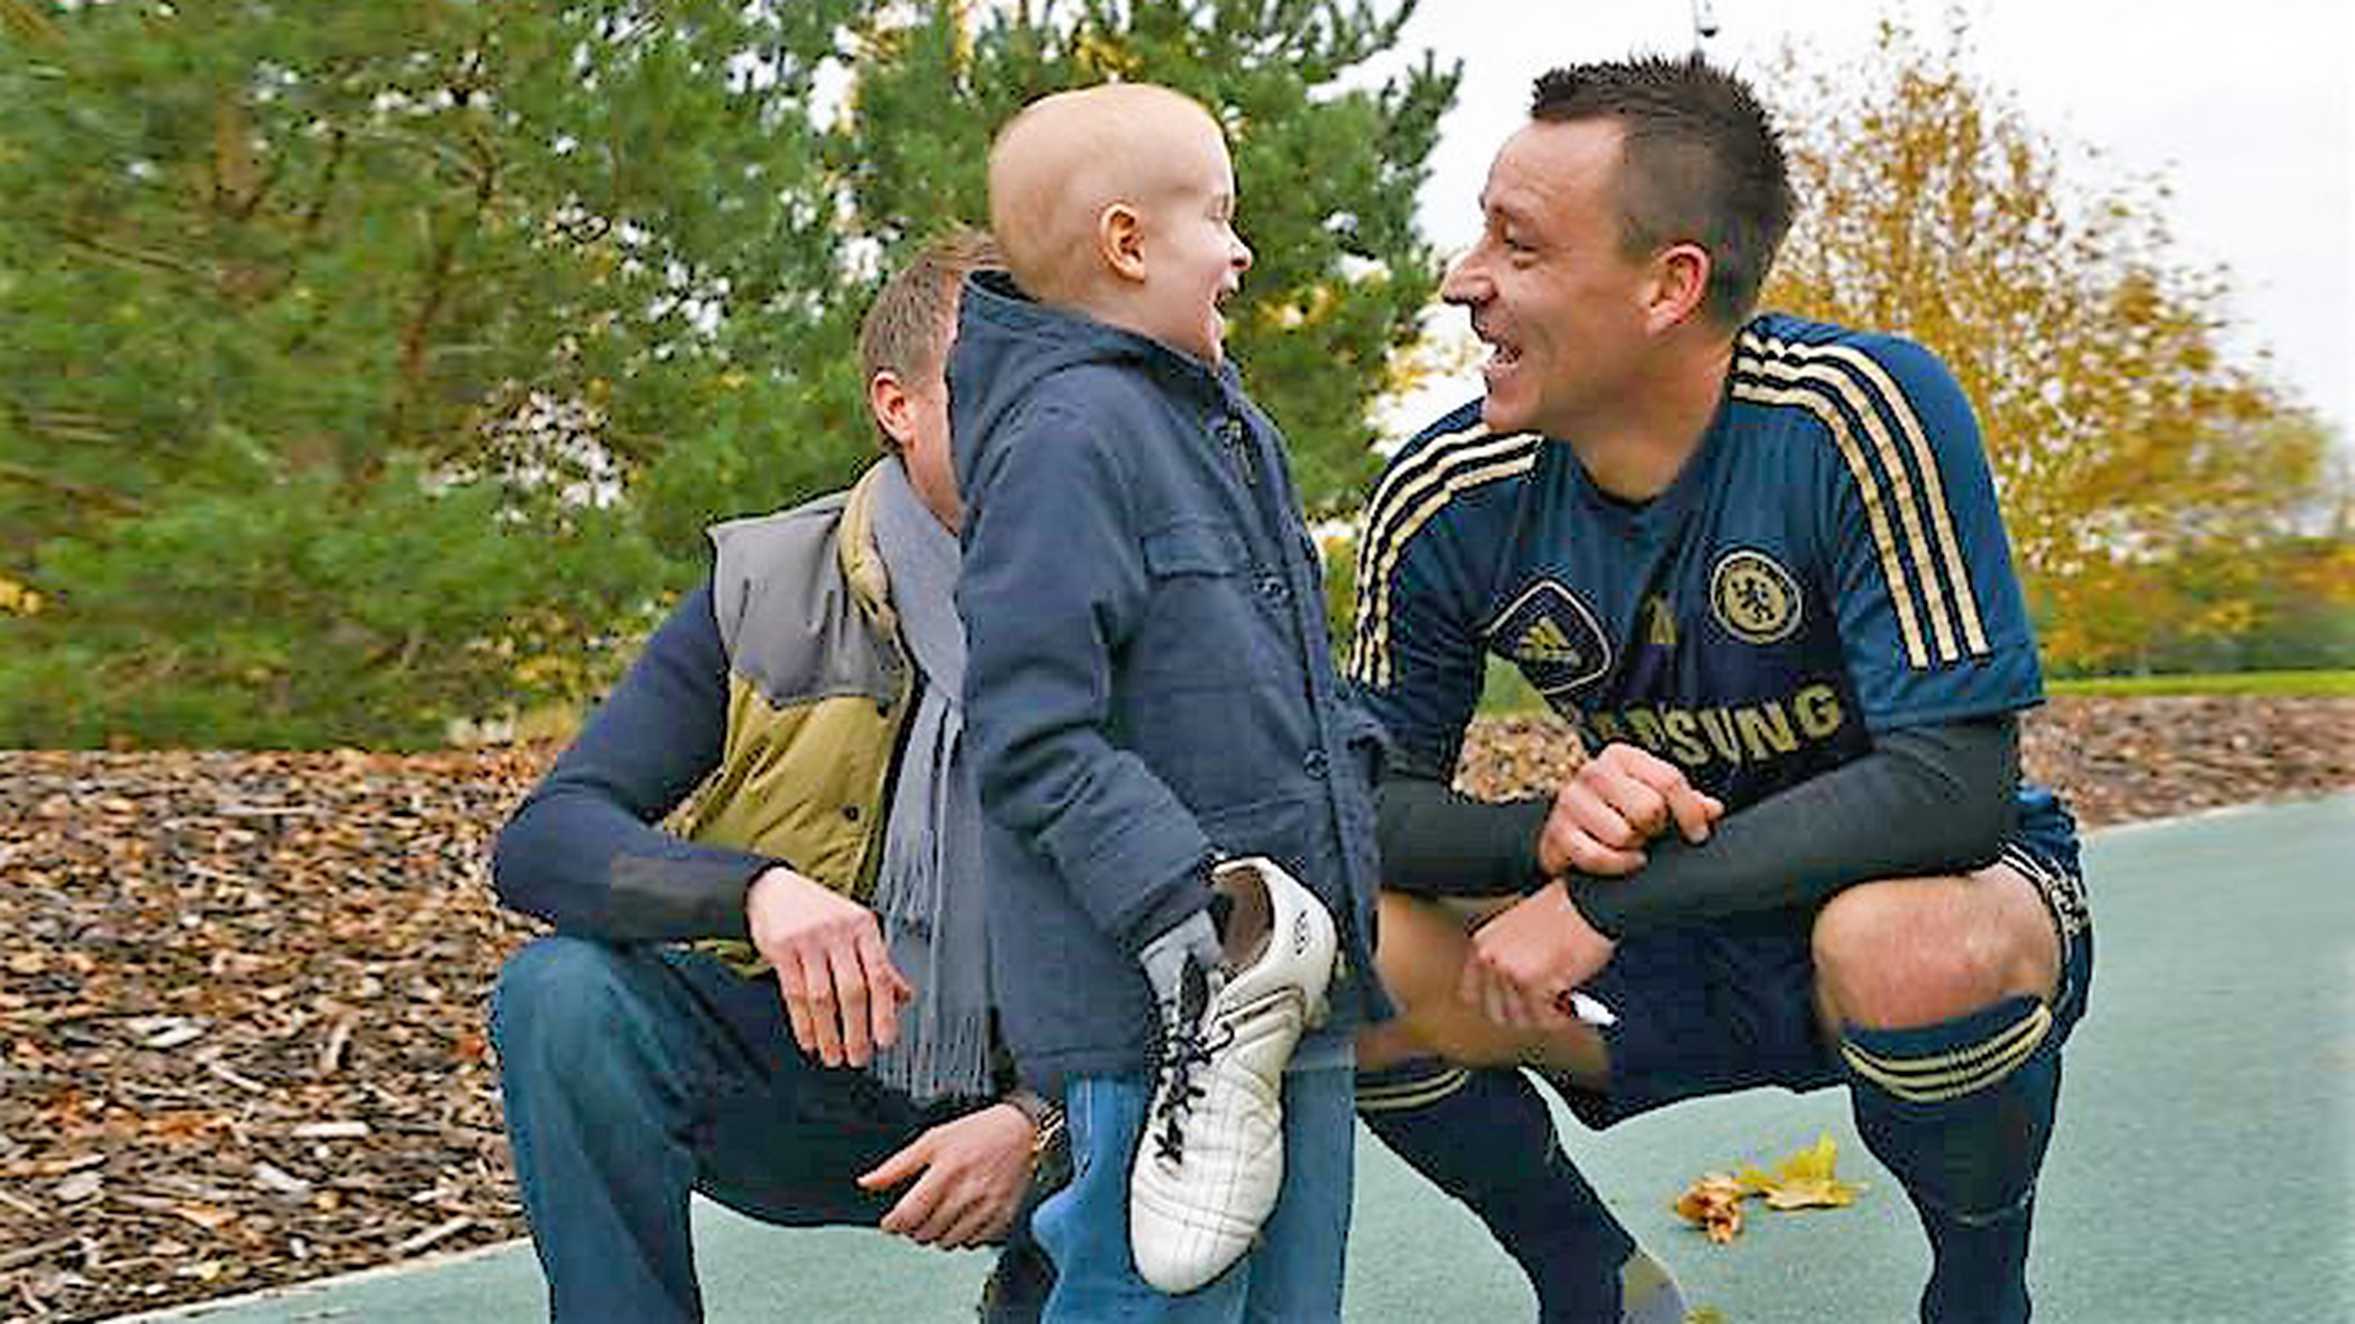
{"x": 2243, "y": 105}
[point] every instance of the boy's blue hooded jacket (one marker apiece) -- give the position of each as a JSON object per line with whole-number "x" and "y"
{"x": 1149, "y": 680}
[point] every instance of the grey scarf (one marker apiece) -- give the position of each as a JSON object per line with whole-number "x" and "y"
{"x": 929, "y": 894}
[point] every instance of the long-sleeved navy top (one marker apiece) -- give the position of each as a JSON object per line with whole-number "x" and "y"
{"x": 583, "y": 851}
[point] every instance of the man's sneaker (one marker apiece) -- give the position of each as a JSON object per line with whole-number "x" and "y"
{"x": 1648, "y": 1293}
{"x": 1018, "y": 1285}
{"x": 1211, "y": 1160}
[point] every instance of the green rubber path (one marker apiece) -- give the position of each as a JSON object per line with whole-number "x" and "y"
{"x": 2203, "y": 1170}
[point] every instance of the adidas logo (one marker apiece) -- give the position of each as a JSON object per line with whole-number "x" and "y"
{"x": 1659, "y": 625}
{"x": 1545, "y": 642}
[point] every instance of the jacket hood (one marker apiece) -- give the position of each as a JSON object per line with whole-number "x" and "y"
{"x": 1007, "y": 342}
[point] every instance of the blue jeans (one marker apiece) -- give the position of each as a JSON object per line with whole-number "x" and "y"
{"x": 634, "y": 1075}
{"x": 1293, "y": 1272}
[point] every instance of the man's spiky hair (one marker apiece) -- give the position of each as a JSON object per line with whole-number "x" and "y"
{"x": 1702, "y": 164}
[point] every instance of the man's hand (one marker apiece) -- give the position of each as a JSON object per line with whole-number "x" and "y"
{"x": 841, "y": 991}
{"x": 1616, "y": 801}
{"x": 1523, "y": 963}
{"x": 974, "y": 1171}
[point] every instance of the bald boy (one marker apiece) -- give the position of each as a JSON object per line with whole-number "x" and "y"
{"x": 1150, "y": 691}
{"x": 1082, "y": 184}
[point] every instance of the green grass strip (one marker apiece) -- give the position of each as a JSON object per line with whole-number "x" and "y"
{"x": 2279, "y": 684}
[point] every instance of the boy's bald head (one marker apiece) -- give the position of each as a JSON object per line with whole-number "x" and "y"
{"x": 1057, "y": 166}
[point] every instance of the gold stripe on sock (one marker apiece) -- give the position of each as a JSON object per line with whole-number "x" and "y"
{"x": 1415, "y": 1093}
{"x": 1951, "y": 1075}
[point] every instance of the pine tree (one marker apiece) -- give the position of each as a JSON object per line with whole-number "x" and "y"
{"x": 364, "y": 359}
{"x": 377, "y": 365}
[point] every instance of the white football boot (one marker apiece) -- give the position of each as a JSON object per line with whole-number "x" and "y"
{"x": 1211, "y": 1159}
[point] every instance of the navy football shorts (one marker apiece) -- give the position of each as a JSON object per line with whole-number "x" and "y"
{"x": 1710, "y": 1010}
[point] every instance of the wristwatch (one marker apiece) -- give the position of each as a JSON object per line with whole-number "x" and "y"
{"x": 1046, "y": 1119}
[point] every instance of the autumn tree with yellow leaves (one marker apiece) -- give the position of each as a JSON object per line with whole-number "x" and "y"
{"x": 2150, "y": 479}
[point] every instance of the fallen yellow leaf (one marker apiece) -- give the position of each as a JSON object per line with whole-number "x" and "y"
{"x": 1713, "y": 1204}
{"x": 16, "y": 599}
{"x": 1806, "y": 1180}
{"x": 1812, "y": 1195}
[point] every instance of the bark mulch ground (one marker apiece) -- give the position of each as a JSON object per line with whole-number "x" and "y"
{"x": 241, "y": 995}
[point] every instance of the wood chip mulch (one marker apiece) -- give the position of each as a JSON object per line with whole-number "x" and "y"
{"x": 2116, "y": 760}
{"x": 242, "y": 995}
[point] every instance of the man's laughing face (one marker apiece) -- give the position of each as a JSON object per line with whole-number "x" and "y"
{"x": 1550, "y": 286}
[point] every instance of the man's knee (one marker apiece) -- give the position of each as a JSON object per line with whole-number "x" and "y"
{"x": 1421, "y": 959}
{"x": 558, "y": 997}
{"x": 1916, "y": 951}
{"x": 1380, "y": 1047}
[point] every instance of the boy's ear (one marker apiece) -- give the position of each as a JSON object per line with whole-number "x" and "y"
{"x": 1120, "y": 240}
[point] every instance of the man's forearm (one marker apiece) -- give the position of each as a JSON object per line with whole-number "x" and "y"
{"x": 1926, "y": 800}
{"x": 1436, "y": 841}
{"x": 600, "y": 872}
{"x": 583, "y": 851}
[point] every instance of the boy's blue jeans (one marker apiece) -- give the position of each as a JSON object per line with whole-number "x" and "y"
{"x": 1293, "y": 1273}
{"x": 633, "y": 1075}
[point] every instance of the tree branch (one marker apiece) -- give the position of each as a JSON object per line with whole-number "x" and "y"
{"x": 134, "y": 257}
{"x": 314, "y": 213}
{"x": 113, "y": 502}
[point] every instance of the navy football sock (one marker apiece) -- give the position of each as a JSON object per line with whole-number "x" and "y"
{"x": 1961, "y": 1111}
{"x": 1486, "y": 1138}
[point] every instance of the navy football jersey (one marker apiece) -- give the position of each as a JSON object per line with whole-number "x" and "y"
{"x": 1830, "y": 564}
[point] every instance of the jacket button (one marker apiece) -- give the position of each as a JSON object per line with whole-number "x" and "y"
{"x": 851, "y": 812}
{"x": 1315, "y": 764}
{"x": 1271, "y": 587}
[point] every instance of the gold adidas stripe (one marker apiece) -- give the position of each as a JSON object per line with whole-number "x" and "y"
{"x": 1444, "y": 1081}
{"x": 1872, "y": 395}
{"x": 2031, "y": 1022}
{"x": 1952, "y": 1075}
{"x": 1449, "y": 488}
{"x": 1952, "y": 1086}
{"x": 1892, "y": 569}
{"x": 1933, "y": 486}
{"x": 1413, "y": 1093}
{"x": 1899, "y": 485}
{"x": 2028, "y": 864}
{"x": 1898, "y": 406}
{"x": 1466, "y": 446}
{"x": 1409, "y": 496}
{"x": 1433, "y": 452}
{"x": 1371, "y": 517}
{"x": 1949, "y": 1087}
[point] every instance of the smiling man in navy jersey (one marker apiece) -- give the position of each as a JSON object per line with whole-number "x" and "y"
{"x": 1758, "y": 562}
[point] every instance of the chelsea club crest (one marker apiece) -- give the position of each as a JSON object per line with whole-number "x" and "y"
{"x": 1753, "y": 597}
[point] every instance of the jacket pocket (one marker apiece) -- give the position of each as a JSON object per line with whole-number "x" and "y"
{"x": 1194, "y": 547}
{"x": 1205, "y": 626}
